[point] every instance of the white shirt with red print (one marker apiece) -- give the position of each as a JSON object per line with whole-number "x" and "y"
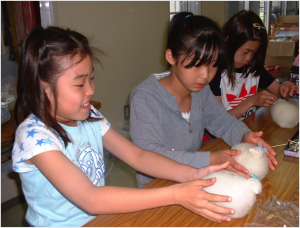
{"x": 244, "y": 88}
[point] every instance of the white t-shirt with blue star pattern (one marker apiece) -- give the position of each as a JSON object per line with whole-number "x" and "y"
{"x": 46, "y": 205}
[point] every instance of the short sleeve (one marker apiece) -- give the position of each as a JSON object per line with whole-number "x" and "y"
{"x": 32, "y": 138}
{"x": 215, "y": 85}
{"x": 265, "y": 80}
{"x": 104, "y": 124}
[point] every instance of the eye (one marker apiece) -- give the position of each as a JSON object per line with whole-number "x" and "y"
{"x": 79, "y": 85}
{"x": 245, "y": 53}
{"x": 92, "y": 75}
{"x": 214, "y": 63}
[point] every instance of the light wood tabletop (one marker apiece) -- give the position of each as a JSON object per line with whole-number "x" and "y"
{"x": 282, "y": 183}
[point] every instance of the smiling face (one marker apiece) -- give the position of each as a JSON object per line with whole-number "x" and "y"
{"x": 195, "y": 78}
{"x": 75, "y": 89}
{"x": 245, "y": 53}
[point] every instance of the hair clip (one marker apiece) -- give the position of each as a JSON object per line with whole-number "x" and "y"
{"x": 256, "y": 25}
{"x": 188, "y": 16}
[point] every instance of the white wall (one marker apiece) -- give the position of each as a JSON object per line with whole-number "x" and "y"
{"x": 132, "y": 34}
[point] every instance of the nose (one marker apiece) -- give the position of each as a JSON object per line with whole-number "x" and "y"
{"x": 90, "y": 88}
{"x": 249, "y": 56}
{"x": 204, "y": 72}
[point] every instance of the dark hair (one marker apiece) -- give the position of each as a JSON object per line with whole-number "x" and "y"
{"x": 238, "y": 30}
{"x": 190, "y": 35}
{"x": 44, "y": 56}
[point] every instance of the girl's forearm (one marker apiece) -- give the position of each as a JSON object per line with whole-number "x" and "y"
{"x": 239, "y": 110}
{"x": 111, "y": 200}
{"x": 274, "y": 88}
{"x": 148, "y": 162}
{"x": 157, "y": 165}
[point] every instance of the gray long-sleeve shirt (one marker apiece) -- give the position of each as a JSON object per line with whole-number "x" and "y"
{"x": 156, "y": 124}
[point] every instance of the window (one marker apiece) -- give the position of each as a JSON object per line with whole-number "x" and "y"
{"x": 259, "y": 7}
{"x": 268, "y": 11}
{"x": 183, "y": 6}
{"x": 47, "y": 17}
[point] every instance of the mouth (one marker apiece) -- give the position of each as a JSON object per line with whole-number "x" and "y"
{"x": 86, "y": 105}
{"x": 200, "y": 85}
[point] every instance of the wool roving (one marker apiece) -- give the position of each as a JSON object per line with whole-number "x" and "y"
{"x": 286, "y": 113}
{"x": 243, "y": 191}
{"x": 253, "y": 159}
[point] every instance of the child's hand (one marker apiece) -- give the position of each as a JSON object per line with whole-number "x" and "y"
{"x": 254, "y": 138}
{"x": 263, "y": 99}
{"x": 204, "y": 171}
{"x": 192, "y": 196}
{"x": 222, "y": 156}
{"x": 287, "y": 89}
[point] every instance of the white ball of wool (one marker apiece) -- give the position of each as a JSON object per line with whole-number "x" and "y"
{"x": 242, "y": 191}
{"x": 285, "y": 113}
{"x": 253, "y": 159}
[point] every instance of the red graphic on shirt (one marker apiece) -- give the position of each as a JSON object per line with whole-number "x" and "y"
{"x": 234, "y": 101}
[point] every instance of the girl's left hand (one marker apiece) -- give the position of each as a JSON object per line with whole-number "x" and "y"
{"x": 254, "y": 138}
{"x": 288, "y": 88}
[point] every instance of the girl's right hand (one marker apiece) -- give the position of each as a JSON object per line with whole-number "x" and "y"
{"x": 263, "y": 99}
{"x": 192, "y": 196}
{"x": 222, "y": 156}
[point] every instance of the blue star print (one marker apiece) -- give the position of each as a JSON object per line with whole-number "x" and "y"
{"x": 48, "y": 141}
{"x": 59, "y": 138}
{"x": 263, "y": 148}
{"x": 21, "y": 147}
{"x": 30, "y": 125}
{"x": 40, "y": 142}
{"x": 31, "y": 133}
{"x": 36, "y": 119}
{"x": 23, "y": 159}
{"x": 16, "y": 168}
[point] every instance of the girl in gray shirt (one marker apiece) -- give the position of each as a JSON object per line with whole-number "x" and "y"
{"x": 170, "y": 110}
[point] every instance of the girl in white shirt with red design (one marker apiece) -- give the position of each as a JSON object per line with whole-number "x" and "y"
{"x": 236, "y": 86}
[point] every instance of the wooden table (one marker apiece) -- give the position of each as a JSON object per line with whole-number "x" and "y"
{"x": 282, "y": 183}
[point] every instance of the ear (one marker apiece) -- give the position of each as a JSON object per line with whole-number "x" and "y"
{"x": 255, "y": 185}
{"x": 169, "y": 57}
{"x": 47, "y": 89}
{"x": 256, "y": 152}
